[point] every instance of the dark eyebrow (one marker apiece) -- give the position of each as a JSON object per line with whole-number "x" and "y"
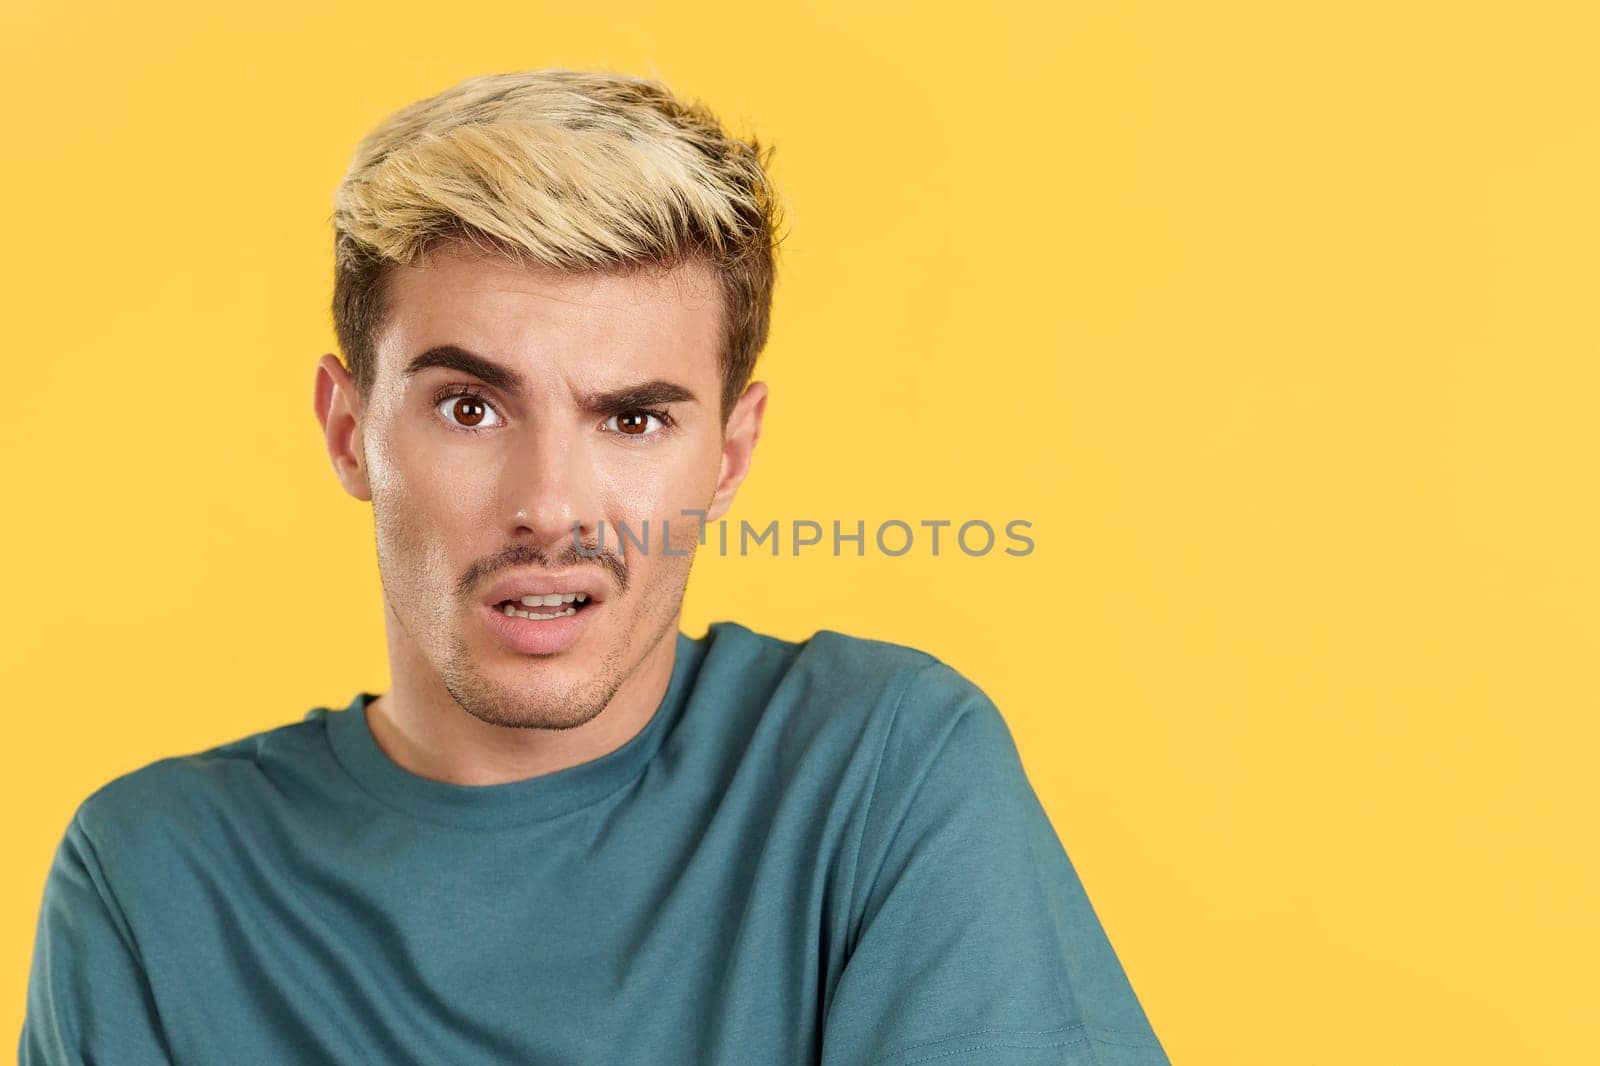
{"x": 451, "y": 357}
{"x": 652, "y": 393}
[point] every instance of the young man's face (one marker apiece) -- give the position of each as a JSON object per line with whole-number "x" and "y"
{"x": 510, "y": 404}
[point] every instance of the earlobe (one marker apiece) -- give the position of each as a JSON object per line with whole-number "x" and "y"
{"x": 337, "y": 409}
{"x": 738, "y": 445}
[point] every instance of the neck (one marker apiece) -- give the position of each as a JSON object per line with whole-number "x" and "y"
{"x": 421, "y": 727}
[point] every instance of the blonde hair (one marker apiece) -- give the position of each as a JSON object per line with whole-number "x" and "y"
{"x": 578, "y": 170}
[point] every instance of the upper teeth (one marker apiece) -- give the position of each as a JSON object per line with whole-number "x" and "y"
{"x": 555, "y": 599}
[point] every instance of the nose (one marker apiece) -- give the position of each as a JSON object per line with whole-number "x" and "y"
{"x": 549, "y": 490}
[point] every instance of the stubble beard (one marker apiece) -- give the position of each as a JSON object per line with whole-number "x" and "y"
{"x": 536, "y": 704}
{"x": 539, "y": 703}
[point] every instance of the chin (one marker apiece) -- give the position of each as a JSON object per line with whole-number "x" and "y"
{"x": 523, "y": 692}
{"x": 527, "y": 707}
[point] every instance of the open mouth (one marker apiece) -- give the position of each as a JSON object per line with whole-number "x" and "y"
{"x": 545, "y": 608}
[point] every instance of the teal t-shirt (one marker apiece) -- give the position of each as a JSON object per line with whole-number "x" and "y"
{"x": 822, "y": 851}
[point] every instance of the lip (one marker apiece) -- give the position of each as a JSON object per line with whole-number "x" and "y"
{"x": 515, "y": 586}
{"x": 527, "y": 637}
{"x": 537, "y": 638}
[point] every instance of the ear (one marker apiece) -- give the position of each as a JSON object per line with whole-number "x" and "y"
{"x": 738, "y": 444}
{"x": 339, "y": 411}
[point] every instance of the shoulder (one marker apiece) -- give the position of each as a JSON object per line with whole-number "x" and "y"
{"x": 832, "y": 664}
{"x": 173, "y": 800}
{"x": 901, "y": 702}
{"x": 934, "y": 729}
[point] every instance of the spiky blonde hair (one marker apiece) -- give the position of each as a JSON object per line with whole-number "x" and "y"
{"x": 577, "y": 170}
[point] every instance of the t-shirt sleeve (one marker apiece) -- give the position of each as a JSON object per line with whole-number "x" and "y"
{"x": 973, "y": 940}
{"x": 88, "y": 998}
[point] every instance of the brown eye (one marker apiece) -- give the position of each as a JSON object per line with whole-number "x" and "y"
{"x": 469, "y": 412}
{"x": 636, "y": 423}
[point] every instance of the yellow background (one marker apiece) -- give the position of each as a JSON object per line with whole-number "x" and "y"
{"x": 1278, "y": 321}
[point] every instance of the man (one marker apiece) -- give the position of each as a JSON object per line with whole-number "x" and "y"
{"x": 570, "y": 833}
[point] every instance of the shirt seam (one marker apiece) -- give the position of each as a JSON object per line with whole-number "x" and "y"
{"x": 470, "y": 826}
{"x": 877, "y": 774}
{"x": 103, "y": 889}
{"x": 1080, "y": 1034}
{"x": 1073, "y": 1035}
{"x": 1096, "y": 1034}
{"x": 101, "y": 883}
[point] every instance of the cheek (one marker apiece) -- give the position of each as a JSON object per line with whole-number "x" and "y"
{"x": 422, "y": 510}
{"x": 656, "y": 500}
{"x": 661, "y": 486}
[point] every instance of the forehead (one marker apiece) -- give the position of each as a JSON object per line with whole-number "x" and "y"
{"x": 590, "y": 327}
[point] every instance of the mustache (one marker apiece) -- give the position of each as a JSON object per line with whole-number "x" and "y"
{"x": 524, "y": 555}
